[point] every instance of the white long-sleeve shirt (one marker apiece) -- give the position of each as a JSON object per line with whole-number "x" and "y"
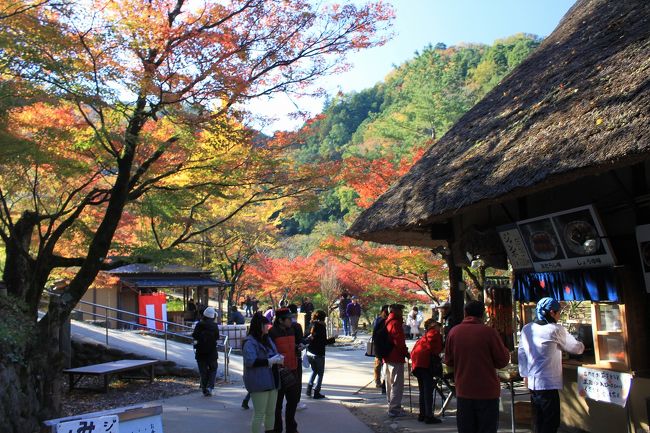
{"x": 540, "y": 354}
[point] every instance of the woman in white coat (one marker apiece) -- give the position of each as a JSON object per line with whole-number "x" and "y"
{"x": 413, "y": 322}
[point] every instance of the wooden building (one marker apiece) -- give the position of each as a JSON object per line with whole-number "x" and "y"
{"x": 551, "y": 170}
{"x": 135, "y": 280}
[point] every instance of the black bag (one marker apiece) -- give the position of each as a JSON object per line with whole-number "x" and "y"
{"x": 382, "y": 340}
{"x": 287, "y": 378}
{"x": 436, "y": 366}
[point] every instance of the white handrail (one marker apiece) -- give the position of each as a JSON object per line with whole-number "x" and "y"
{"x": 226, "y": 343}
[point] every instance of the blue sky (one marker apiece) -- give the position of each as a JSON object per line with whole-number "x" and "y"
{"x": 422, "y": 22}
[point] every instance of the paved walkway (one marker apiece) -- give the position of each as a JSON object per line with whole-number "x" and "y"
{"x": 347, "y": 373}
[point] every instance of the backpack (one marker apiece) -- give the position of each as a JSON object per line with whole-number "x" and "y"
{"x": 205, "y": 337}
{"x": 381, "y": 339}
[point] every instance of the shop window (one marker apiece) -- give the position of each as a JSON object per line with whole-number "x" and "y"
{"x": 610, "y": 336}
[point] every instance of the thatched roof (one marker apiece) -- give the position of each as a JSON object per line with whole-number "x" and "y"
{"x": 579, "y": 105}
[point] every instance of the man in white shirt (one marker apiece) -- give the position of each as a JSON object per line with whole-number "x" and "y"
{"x": 540, "y": 362}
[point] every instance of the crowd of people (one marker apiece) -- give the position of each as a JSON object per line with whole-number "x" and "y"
{"x": 273, "y": 361}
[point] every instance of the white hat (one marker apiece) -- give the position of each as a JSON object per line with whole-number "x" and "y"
{"x": 209, "y": 313}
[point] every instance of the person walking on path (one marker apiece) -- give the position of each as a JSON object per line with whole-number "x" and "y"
{"x": 445, "y": 317}
{"x": 235, "y": 317}
{"x": 249, "y": 306}
{"x": 413, "y": 322}
{"x": 476, "y": 351}
{"x": 343, "y": 313}
{"x": 269, "y": 313}
{"x": 394, "y": 362}
{"x": 205, "y": 336}
{"x": 308, "y": 308}
{"x": 426, "y": 366}
{"x": 540, "y": 362}
{"x": 191, "y": 310}
{"x": 353, "y": 311}
{"x": 284, "y": 336}
{"x": 261, "y": 377}
{"x": 379, "y": 322}
{"x": 300, "y": 345}
{"x": 316, "y": 353}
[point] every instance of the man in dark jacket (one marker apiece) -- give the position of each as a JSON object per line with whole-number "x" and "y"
{"x": 343, "y": 313}
{"x": 235, "y": 317}
{"x": 394, "y": 362}
{"x": 476, "y": 351}
{"x": 283, "y": 334}
{"x": 206, "y": 335}
{"x": 308, "y": 308}
{"x": 379, "y": 321}
{"x": 353, "y": 311}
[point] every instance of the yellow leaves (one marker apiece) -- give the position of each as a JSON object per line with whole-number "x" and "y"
{"x": 599, "y": 121}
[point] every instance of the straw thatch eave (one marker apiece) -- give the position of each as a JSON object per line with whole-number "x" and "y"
{"x": 577, "y": 106}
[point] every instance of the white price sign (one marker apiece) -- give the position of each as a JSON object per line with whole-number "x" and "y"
{"x": 604, "y": 385}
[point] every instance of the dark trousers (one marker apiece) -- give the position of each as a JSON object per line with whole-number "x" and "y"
{"x": 317, "y": 364}
{"x": 546, "y": 407}
{"x": 425, "y": 389}
{"x": 477, "y": 416}
{"x": 207, "y": 371}
{"x": 292, "y": 395}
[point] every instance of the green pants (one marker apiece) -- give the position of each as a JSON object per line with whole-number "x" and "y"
{"x": 263, "y": 410}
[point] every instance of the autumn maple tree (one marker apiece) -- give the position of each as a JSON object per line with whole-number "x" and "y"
{"x": 116, "y": 104}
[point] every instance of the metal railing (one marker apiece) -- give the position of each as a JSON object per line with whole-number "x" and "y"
{"x": 223, "y": 343}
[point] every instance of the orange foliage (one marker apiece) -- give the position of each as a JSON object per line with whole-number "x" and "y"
{"x": 371, "y": 178}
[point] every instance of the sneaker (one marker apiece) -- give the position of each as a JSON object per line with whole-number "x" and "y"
{"x": 244, "y": 405}
{"x": 301, "y": 406}
{"x": 207, "y": 392}
{"x": 401, "y": 413}
{"x": 318, "y": 396}
{"x": 432, "y": 420}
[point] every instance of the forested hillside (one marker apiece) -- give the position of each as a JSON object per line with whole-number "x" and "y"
{"x": 378, "y": 133}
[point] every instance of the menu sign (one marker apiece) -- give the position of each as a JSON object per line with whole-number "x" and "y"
{"x": 515, "y": 248}
{"x": 571, "y": 239}
{"x": 604, "y": 385}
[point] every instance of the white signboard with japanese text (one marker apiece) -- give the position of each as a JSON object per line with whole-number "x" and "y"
{"x": 515, "y": 248}
{"x": 102, "y": 424}
{"x": 133, "y": 419}
{"x": 604, "y": 385}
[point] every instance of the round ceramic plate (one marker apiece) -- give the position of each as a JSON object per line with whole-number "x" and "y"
{"x": 581, "y": 238}
{"x": 543, "y": 245}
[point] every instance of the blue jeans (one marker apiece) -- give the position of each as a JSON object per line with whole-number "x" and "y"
{"x": 317, "y": 364}
{"x": 346, "y": 325}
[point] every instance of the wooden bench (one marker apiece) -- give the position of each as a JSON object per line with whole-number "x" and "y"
{"x": 107, "y": 369}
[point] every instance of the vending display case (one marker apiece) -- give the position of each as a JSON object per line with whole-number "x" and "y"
{"x": 610, "y": 336}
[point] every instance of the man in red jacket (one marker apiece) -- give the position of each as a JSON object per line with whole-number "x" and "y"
{"x": 476, "y": 351}
{"x": 394, "y": 362}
